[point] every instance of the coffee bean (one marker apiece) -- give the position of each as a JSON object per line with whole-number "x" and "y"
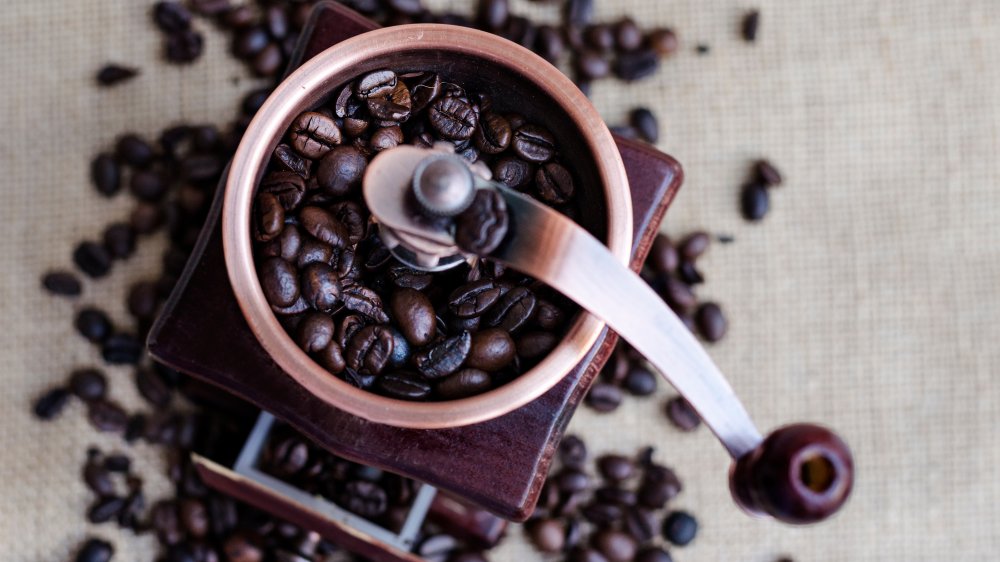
{"x": 119, "y": 239}
{"x": 193, "y": 517}
{"x": 248, "y": 43}
{"x": 106, "y": 416}
{"x": 636, "y": 65}
{"x": 617, "y": 546}
{"x": 659, "y": 486}
{"x": 680, "y": 528}
{"x": 446, "y": 357}
{"x": 512, "y": 172}
{"x": 653, "y": 554}
{"x": 453, "y": 118}
{"x": 414, "y": 314}
{"x": 571, "y": 480}
{"x": 663, "y": 41}
{"x": 88, "y": 384}
{"x": 493, "y": 14}
{"x": 132, "y": 150}
{"x": 628, "y": 36}
{"x": 408, "y": 7}
{"x": 288, "y": 187}
{"x": 573, "y": 452}
{"x": 615, "y": 468}
{"x": 640, "y": 381}
{"x": 474, "y": 298}
{"x": 579, "y": 12}
{"x": 512, "y": 310}
{"x": 463, "y": 383}
{"x": 62, "y": 283}
{"x": 533, "y": 143}
{"x": 269, "y": 217}
{"x": 50, "y": 404}
{"x": 375, "y": 84}
{"x": 331, "y": 358}
{"x": 602, "y": 514}
{"x": 754, "y": 201}
{"x": 490, "y": 350}
{"x": 93, "y": 324}
{"x": 694, "y": 245}
{"x": 105, "y": 174}
{"x": 404, "y": 385}
{"x": 585, "y": 554}
{"x": 613, "y": 494}
{"x": 393, "y": 106}
{"x": 604, "y": 397}
{"x": 702, "y": 49}
{"x": 646, "y": 124}
{"x": 548, "y": 535}
{"x": 554, "y": 183}
{"x": 549, "y": 43}
{"x": 148, "y": 185}
{"x": 363, "y": 300}
{"x": 184, "y": 46}
{"x": 315, "y": 332}
{"x": 93, "y": 259}
{"x": 105, "y": 509}
{"x": 314, "y": 134}
{"x": 323, "y": 226}
{"x": 767, "y": 174}
{"x": 320, "y": 286}
{"x": 678, "y": 294}
{"x": 369, "y": 349}
{"x": 425, "y": 88}
{"x": 689, "y": 274}
{"x": 386, "y": 138}
{"x": 153, "y": 388}
{"x": 536, "y": 345}
{"x": 117, "y": 463}
{"x": 749, "y": 26}
{"x": 599, "y": 37}
{"x": 171, "y": 16}
{"x": 493, "y": 135}
{"x": 95, "y": 550}
{"x": 289, "y": 456}
{"x": 164, "y": 520}
{"x": 712, "y": 323}
{"x": 482, "y": 227}
{"x": 681, "y": 414}
{"x": 279, "y": 281}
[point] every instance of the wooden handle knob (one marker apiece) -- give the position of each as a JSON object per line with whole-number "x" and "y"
{"x": 799, "y": 474}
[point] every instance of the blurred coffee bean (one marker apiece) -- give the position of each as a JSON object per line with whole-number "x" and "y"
{"x": 122, "y": 349}
{"x": 105, "y": 174}
{"x": 615, "y": 468}
{"x": 767, "y": 174}
{"x": 663, "y": 41}
{"x": 50, "y": 404}
{"x": 754, "y": 201}
{"x": 92, "y": 259}
{"x": 646, "y": 124}
{"x": 573, "y": 452}
{"x": 636, "y": 65}
{"x": 548, "y": 535}
{"x": 88, "y": 384}
{"x": 681, "y": 414}
{"x": 749, "y": 26}
{"x": 105, "y": 509}
{"x": 95, "y": 550}
{"x": 640, "y": 381}
{"x": 93, "y": 324}
{"x": 604, "y": 397}
{"x": 712, "y": 323}
{"x": 653, "y": 554}
{"x": 680, "y": 528}
{"x": 106, "y": 416}
{"x": 62, "y": 283}
{"x": 134, "y": 151}
{"x": 616, "y": 546}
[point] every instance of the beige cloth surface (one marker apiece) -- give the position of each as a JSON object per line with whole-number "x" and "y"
{"x": 868, "y": 299}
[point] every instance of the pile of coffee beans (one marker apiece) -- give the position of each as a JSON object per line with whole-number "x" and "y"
{"x": 264, "y": 33}
{"x": 755, "y": 198}
{"x": 362, "y": 314}
{"x": 621, "y": 516}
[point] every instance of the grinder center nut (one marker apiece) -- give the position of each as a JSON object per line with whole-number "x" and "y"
{"x": 443, "y": 185}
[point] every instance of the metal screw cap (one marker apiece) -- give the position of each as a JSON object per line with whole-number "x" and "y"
{"x": 443, "y": 185}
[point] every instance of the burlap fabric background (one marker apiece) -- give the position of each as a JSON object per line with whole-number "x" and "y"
{"x": 868, "y": 299}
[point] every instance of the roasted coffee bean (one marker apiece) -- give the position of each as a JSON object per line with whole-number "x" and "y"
{"x": 331, "y": 358}
{"x": 288, "y": 245}
{"x": 512, "y": 172}
{"x": 50, "y": 404}
{"x": 194, "y": 517}
{"x": 512, "y": 310}
{"x": 323, "y": 226}
{"x": 554, "y": 183}
{"x": 171, "y": 16}
{"x": 405, "y": 277}
{"x": 493, "y": 135}
{"x": 571, "y": 480}
{"x": 354, "y": 219}
{"x": 599, "y": 37}
{"x": 367, "y": 499}
{"x": 320, "y": 286}
{"x": 93, "y": 259}
{"x": 287, "y": 159}
{"x": 105, "y": 174}
{"x": 62, "y": 283}
{"x": 702, "y": 49}
{"x": 535, "y": 345}
{"x": 688, "y": 273}
{"x": 88, "y": 384}
{"x": 585, "y": 554}
{"x": 483, "y": 226}
{"x": 640, "y": 381}
{"x": 142, "y": 300}
{"x": 453, "y": 117}
{"x": 463, "y": 383}
{"x": 446, "y": 357}
{"x": 163, "y": 518}
{"x": 636, "y": 65}
{"x": 95, "y": 550}
{"x": 749, "y": 26}
{"x": 533, "y": 143}
{"x": 628, "y": 36}
{"x": 121, "y": 349}
{"x": 604, "y": 397}
{"x": 248, "y": 42}
{"x": 602, "y": 514}
{"x": 414, "y": 314}
{"x": 767, "y": 174}
{"x": 493, "y": 14}
{"x": 106, "y": 416}
{"x": 153, "y": 388}
{"x": 105, "y": 509}
{"x": 404, "y": 385}
{"x": 712, "y": 323}
{"x": 408, "y": 7}
{"x": 279, "y": 281}
{"x": 363, "y": 300}
{"x": 288, "y": 187}
{"x": 653, "y": 554}
{"x": 146, "y": 218}
{"x": 573, "y": 452}
{"x": 93, "y": 324}
{"x": 663, "y": 41}
{"x": 393, "y": 106}
{"x": 375, "y": 84}
{"x": 269, "y": 217}
{"x": 473, "y": 299}
{"x": 549, "y": 43}
{"x": 289, "y": 456}
{"x": 132, "y": 150}
{"x": 401, "y": 349}
{"x": 117, "y": 462}
{"x": 681, "y": 414}
{"x": 646, "y": 124}
{"x": 579, "y": 12}
{"x": 97, "y": 477}
{"x": 184, "y": 46}
{"x": 754, "y": 201}
{"x": 694, "y": 245}
{"x": 548, "y": 316}
{"x": 119, "y": 239}
{"x": 591, "y": 65}
{"x": 680, "y": 528}
{"x": 613, "y": 494}
{"x": 209, "y": 8}
{"x": 369, "y": 349}
{"x": 678, "y": 294}
{"x": 548, "y": 535}
{"x": 424, "y": 90}
{"x": 314, "y": 134}
{"x": 490, "y": 350}
{"x": 617, "y": 546}
{"x": 148, "y": 185}
{"x": 315, "y": 332}
{"x": 312, "y": 251}
{"x": 386, "y": 138}
{"x": 615, "y": 468}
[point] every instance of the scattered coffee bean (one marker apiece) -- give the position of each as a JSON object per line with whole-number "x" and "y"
{"x": 93, "y": 259}
{"x": 681, "y": 414}
{"x": 50, "y": 404}
{"x": 171, "y": 16}
{"x": 767, "y": 174}
{"x": 119, "y": 239}
{"x": 105, "y": 174}
{"x": 617, "y": 546}
{"x": 754, "y": 201}
{"x": 646, "y": 124}
{"x": 548, "y": 535}
{"x": 653, "y": 554}
{"x": 88, "y": 384}
{"x": 751, "y": 22}
{"x": 93, "y": 324}
{"x": 112, "y": 74}
{"x": 663, "y": 41}
{"x": 604, "y": 397}
{"x": 636, "y": 65}
{"x": 702, "y": 49}
{"x": 105, "y": 509}
{"x": 640, "y": 382}
{"x": 107, "y": 416}
{"x": 62, "y": 283}
{"x": 184, "y": 46}
{"x": 712, "y": 323}
{"x": 121, "y": 349}
{"x": 95, "y": 550}
{"x": 680, "y": 528}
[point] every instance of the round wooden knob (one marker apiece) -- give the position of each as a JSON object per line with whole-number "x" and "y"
{"x": 799, "y": 474}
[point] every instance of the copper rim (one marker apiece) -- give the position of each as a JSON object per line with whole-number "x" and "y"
{"x": 306, "y": 87}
